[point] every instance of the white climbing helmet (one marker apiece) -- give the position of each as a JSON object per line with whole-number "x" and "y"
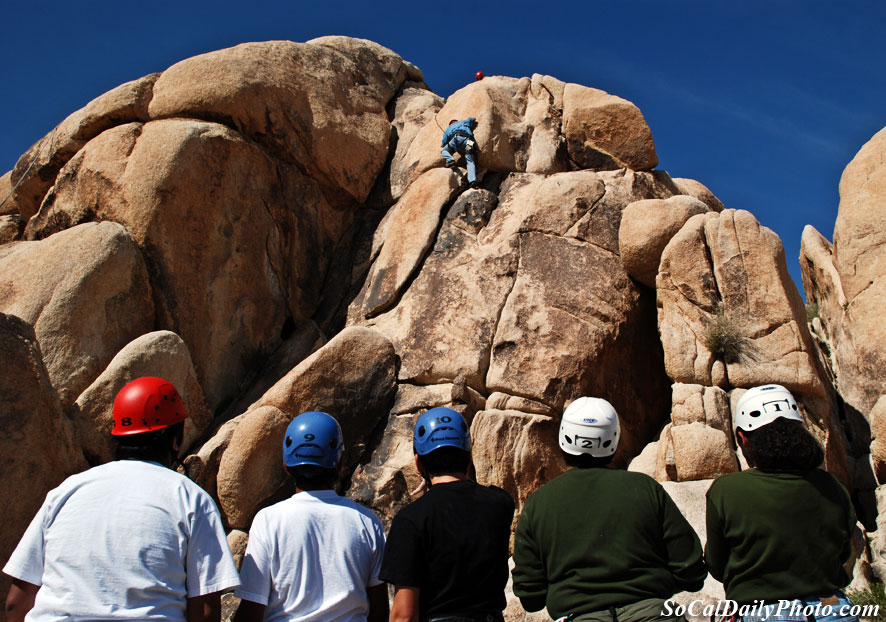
{"x": 589, "y": 426}
{"x": 762, "y": 405}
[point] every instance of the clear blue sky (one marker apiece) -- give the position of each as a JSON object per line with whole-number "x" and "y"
{"x": 763, "y": 101}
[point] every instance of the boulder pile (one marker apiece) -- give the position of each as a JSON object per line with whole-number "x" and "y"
{"x": 271, "y": 228}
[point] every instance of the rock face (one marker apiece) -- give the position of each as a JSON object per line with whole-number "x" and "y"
{"x": 38, "y": 450}
{"x": 271, "y": 228}
{"x": 82, "y": 317}
{"x": 846, "y": 280}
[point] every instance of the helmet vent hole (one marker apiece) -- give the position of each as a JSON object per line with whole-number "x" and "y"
{"x": 421, "y": 431}
{"x": 607, "y": 443}
{"x": 157, "y": 407}
{"x": 754, "y": 413}
{"x": 288, "y": 441}
{"x": 794, "y": 406}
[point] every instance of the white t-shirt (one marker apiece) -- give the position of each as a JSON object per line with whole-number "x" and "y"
{"x": 311, "y": 557}
{"x": 125, "y": 540}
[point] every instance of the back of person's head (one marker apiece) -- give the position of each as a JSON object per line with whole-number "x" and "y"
{"x": 312, "y": 450}
{"x": 589, "y": 433}
{"x": 149, "y": 416}
{"x": 442, "y": 441}
{"x": 775, "y": 437}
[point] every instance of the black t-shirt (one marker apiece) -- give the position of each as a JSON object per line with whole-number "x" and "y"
{"x": 452, "y": 544}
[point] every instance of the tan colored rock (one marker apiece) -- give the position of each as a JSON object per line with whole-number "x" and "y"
{"x": 250, "y": 472}
{"x": 704, "y": 273}
{"x": 35, "y": 171}
{"x": 877, "y": 540}
{"x": 385, "y": 482}
{"x": 411, "y": 230}
{"x": 603, "y": 131}
{"x": 352, "y": 378}
{"x": 7, "y": 205}
{"x": 877, "y": 418}
{"x": 665, "y": 464}
{"x": 414, "y": 109}
{"x": 690, "y": 499}
{"x": 36, "y": 448}
{"x": 11, "y": 228}
{"x": 237, "y": 541}
{"x": 547, "y": 149}
{"x": 321, "y": 105}
{"x": 600, "y": 225}
{"x": 518, "y": 128}
{"x": 646, "y": 228}
{"x": 202, "y": 467}
{"x": 692, "y": 403}
{"x": 701, "y": 452}
{"x": 362, "y": 363}
{"x": 86, "y": 293}
{"x": 307, "y": 339}
{"x": 162, "y": 354}
{"x": 238, "y": 244}
{"x": 852, "y": 302}
{"x": 458, "y": 396}
{"x": 515, "y": 451}
{"x": 571, "y": 308}
{"x": 646, "y": 461}
{"x": 502, "y": 401}
{"x": 701, "y": 192}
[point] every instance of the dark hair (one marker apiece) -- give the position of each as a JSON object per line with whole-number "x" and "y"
{"x": 313, "y": 477}
{"x": 446, "y": 461}
{"x": 585, "y": 461}
{"x": 156, "y": 446}
{"x": 783, "y": 445}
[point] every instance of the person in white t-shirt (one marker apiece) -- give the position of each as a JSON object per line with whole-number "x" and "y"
{"x": 316, "y": 555}
{"x": 130, "y": 539}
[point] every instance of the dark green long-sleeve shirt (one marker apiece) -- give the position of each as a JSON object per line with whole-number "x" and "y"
{"x": 778, "y": 535}
{"x": 597, "y": 538}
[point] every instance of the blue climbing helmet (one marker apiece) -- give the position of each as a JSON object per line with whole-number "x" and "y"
{"x": 313, "y": 438}
{"x": 440, "y": 427}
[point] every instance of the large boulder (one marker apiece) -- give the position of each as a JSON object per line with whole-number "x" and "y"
{"x": 717, "y": 329}
{"x": 603, "y": 131}
{"x": 231, "y": 257}
{"x": 34, "y": 173}
{"x": 320, "y": 105}
{"x": 850, "y": 286}
{"x": 36, "y": 448}
{"x": 646, "y": 228}
{"x": 86, "y": 293}
{"x": 352, "y": 378}
{"x": 515, "y": 451}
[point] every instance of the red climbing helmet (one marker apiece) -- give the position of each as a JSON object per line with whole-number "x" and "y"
{"x": 479, "y": 75}
{"x": 147, "y": 404}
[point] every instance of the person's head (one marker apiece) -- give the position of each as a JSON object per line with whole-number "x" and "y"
{"x": 149, "y": 416}
{"x": 442, "y": 443}
{"x": 769, "y": 430}
{"x": 312, "y": 450}
{"x": 589, "y": 433}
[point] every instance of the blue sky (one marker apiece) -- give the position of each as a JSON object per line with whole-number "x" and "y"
{"x": 765, "y": 102}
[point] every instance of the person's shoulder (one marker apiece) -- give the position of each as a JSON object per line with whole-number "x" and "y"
{"x": 358, "y": 508}
{"x": 724, "y": 483}
{"x": 496, "y": 494}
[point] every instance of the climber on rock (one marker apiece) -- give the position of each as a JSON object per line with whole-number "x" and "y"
{"x": 780, "y": 531}
{"x": 130, "y": 539}
{"x": 598, "y": 544}
{"x": 315, "y": 555}
{"x": 459, "y": 138}
{"x": 447, "y": 552}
